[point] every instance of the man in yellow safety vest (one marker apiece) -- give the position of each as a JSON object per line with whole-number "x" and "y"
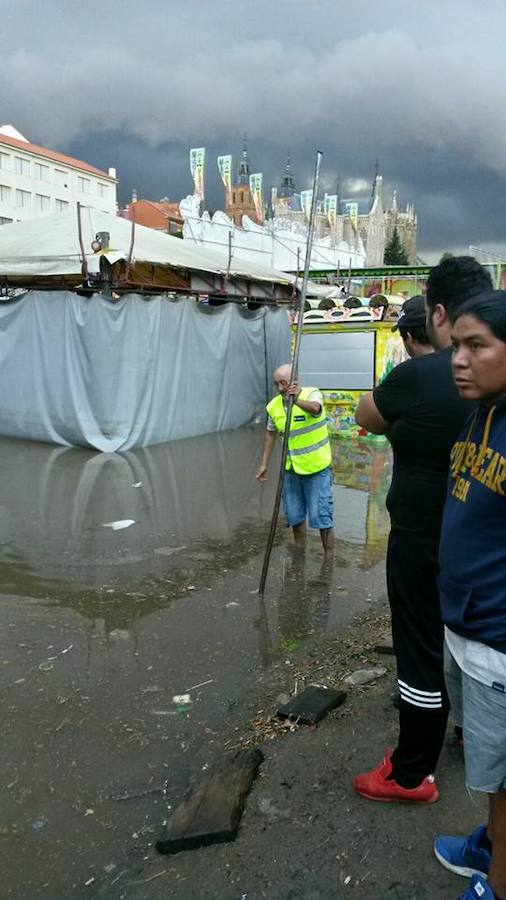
{"x": 307, "y": 486}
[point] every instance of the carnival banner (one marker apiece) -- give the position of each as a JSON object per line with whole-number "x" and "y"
{"x": 225, "y": 170}
{"x": 306, "y": 199}
{"x": 331, "y": 209}
{"x": 352, "y": 212}
{"x": 255, "y": 186}
{"x": 197, "y": 160}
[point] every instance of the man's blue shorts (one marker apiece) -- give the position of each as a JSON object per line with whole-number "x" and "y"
{"x": 309, "y": 496}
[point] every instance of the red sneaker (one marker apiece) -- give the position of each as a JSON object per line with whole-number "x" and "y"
{"x": 375, "y": 785}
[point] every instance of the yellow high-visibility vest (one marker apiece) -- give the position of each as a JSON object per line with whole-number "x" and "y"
{"x": 308, "y": 441}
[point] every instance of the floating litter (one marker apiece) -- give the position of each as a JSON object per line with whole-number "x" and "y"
{"x": 119, "y": 524}
{"x": 182, "y": 699}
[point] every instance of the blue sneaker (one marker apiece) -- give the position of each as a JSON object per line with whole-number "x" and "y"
{"x": 480, "y": 888}
{"x": 465, "y": 856}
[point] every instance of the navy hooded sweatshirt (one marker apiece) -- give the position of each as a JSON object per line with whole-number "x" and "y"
{"x": 472, "y": 580}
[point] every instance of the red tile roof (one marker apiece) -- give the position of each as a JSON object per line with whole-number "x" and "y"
{"x": 53, "y": 155}
{"x": 154, "y": 214}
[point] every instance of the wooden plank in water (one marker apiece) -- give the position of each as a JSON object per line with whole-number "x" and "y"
{"x": 212, "y": 810}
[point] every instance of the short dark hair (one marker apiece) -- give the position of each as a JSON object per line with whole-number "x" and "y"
{"x": 417, "y": 332}
{"x": 489, "y": 308}
{"x": 455, "y": 280}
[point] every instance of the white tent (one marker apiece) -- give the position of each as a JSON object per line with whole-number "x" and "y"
{"x": 49, "y": 247}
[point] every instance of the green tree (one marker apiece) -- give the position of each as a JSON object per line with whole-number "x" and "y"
{"x": 395, "y": 254}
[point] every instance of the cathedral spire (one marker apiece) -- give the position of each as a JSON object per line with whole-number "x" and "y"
{"x": 244, "y": 167}
{"x": 287, "y": 188}
{"x": 377, "y": 202}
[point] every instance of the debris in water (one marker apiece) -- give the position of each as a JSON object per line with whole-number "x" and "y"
{"x": 137, "y": 484}
{"x": 119, "y": 524}
{"x": 182, "y": 699}
{"x": 365, "y": 676}
{"x": 38, "y": 824}
{"x": 46, "y": 665}
{"x": 200, "y": 684}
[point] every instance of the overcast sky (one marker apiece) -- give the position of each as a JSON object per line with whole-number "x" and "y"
{"x": 418, "y": 85}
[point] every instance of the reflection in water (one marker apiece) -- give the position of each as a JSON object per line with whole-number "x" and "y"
{"x": 302, "y": 606}
{"x": 311, "y": 596}
{"x": 189, "y": 499}
{"x": 361, "y": 475}
{"x": 198, "y": 512}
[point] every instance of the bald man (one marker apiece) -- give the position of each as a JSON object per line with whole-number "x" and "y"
{"x": 307, "y": 486}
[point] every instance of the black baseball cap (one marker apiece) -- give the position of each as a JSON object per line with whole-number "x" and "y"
{"x": 412, "y": 315}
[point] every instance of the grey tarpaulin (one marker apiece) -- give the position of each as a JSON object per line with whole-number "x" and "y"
{"x": 127, "y": 373}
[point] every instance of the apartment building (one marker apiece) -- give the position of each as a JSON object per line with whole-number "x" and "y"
{"x": 36, "y": 181}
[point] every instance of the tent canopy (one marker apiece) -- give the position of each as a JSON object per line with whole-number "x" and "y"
{"x": 48, "y": 247}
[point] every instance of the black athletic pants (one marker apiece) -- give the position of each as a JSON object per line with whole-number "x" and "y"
{"x": 418, "y": 638}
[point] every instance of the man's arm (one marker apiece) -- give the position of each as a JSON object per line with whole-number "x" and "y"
{"x": 368, "y": 416}
{"x": 310, "y": 406}
{"x": 390, "y": 400}
{"x": 270, "y": 440}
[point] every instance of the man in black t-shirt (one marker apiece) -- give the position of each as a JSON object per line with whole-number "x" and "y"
{"x": 420, "y": 410}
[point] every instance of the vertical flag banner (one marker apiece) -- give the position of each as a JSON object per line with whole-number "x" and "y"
{"x": 274, "y": 199}
{"x": 197, "y": 160}
{"x": 306, "y": 199}
{"x": 352, "y": 212}
{"x": 255, "y": 186}
{"x": 331, "y": 209}
{"x": 225, "y": 170}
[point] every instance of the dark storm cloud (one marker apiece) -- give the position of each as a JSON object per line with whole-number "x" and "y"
{"x": 418, "y": 85}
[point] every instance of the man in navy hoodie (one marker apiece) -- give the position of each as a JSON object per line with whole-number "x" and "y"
{"x": 472, "y": 586}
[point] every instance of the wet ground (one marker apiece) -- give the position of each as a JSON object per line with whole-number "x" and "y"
{"x": 132, "y": 658}
{"x": 102, "y": 630}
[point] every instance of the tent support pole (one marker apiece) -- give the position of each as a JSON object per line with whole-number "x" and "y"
{"x": 293, "y": 375}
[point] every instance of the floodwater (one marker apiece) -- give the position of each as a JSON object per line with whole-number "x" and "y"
{"x": 104, "y": 632}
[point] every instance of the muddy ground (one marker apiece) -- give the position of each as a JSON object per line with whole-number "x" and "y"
{"x": 304, "y": 833}
{"x": 104, "y": 631}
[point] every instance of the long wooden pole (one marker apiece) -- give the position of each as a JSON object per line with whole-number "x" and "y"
{"x": 293, "y": 374}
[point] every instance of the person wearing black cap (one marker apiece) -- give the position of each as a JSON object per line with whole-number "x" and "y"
{"x": 411, "y": 327}
{"x": 418, "y": 407}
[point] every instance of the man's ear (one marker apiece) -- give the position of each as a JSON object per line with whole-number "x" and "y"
{"x": 439, "y": 316}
